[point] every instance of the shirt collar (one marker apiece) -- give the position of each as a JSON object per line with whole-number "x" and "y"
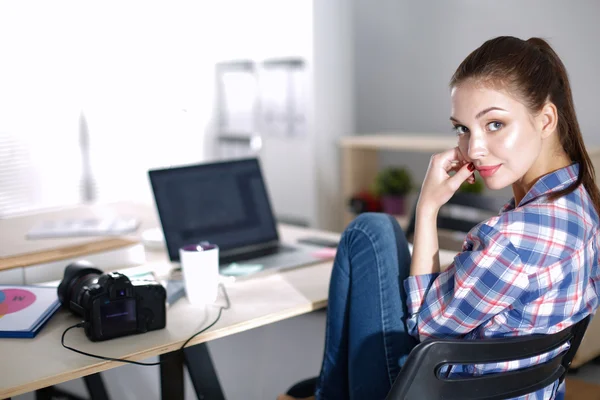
{"x": 549, "y": 183}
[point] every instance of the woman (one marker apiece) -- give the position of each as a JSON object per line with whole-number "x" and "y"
{"x": 532, "y": 269}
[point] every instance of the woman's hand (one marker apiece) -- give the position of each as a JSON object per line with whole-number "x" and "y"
{"x": 439, "y": 186}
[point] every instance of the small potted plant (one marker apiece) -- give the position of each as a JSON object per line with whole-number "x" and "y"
{"x": 392, "y": 185}
{"x": 474, "y": 188}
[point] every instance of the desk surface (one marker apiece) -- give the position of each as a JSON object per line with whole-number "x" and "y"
{"x": 42, "y": 361}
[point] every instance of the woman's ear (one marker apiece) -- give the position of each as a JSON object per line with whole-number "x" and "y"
{"x": 548, "y": 119}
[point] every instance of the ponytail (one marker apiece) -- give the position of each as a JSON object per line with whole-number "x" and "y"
{"x": 570, "y": 135}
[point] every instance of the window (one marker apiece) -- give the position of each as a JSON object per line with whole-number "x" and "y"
{"x": 145, "y": 95}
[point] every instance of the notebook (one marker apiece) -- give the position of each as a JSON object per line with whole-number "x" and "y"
{"x": 25, "y": 309}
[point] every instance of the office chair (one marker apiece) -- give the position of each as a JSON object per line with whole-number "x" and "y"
{"x": 420, "y": 376}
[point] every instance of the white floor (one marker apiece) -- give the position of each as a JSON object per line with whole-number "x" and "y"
{"x": 253, "y": 365}
{"x": 590, "y": 372}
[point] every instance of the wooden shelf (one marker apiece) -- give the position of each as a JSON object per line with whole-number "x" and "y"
{"x": 360, "y": 158}
{"x": 421, "y": 142}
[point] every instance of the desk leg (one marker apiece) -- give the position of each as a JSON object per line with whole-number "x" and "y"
{"x": 202, "y": 372}
{"x": 44, "y": 393}
{"x": 171, "y": 376}
{"x": 94, "y": 384}
{"x": 95, "y": 387}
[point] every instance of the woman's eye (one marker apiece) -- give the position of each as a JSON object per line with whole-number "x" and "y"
{"x": 495, "y": 126}
{"x": 460, "y": 129}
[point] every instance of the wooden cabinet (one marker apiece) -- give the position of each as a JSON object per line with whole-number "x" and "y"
{"x": 360, "y": 158}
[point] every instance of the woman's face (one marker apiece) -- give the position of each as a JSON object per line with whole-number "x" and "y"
{"x": 496, "y": 133}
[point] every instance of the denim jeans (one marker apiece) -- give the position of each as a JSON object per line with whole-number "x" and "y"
{"x": 366, "y": 339}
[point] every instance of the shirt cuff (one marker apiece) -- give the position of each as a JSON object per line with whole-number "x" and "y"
{"x": 416, "y": 287}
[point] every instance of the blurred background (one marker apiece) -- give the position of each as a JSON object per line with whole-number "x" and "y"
{"x": 94, "y": 94}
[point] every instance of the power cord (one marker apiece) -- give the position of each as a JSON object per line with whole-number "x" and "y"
{"x": 82, "y": 324}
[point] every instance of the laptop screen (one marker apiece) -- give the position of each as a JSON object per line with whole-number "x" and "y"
{"x": 225, "y": 203}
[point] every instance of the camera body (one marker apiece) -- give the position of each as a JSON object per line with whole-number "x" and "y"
{"x": 111, "y": 304}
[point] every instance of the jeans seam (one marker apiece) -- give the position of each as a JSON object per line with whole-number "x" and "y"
{"x": 318, "y": 392}
{"x": 383, "y": 321}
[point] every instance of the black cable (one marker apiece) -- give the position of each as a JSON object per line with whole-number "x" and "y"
{"x": 82, "y": 324}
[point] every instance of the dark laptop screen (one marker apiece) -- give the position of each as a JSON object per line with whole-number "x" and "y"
{"x": 225, "y": 203}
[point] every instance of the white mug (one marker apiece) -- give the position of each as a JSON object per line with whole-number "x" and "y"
{"x": 200, "y": 267}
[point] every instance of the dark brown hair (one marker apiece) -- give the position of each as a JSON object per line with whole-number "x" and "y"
{"x": 532, "y": 70}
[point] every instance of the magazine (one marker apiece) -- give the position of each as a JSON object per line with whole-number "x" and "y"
{"x": 25, "y": 309}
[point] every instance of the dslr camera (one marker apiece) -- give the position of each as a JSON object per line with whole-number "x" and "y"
{"x": 111, "y": 304}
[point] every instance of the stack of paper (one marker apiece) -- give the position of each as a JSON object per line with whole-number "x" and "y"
{"x": 83, "y": 227}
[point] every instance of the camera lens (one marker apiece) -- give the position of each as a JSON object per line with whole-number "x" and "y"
{"x": 77, "y": 275}
{"x": 122, "y": 293}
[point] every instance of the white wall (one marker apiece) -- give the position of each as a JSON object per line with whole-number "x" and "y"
{"x": 333, "y": 101}
{"x": 406, "y": 51}
{"x": 302, "y": 172}
{"x": 285, "y": 29}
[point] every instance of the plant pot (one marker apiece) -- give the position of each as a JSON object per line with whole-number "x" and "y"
{"x": 393, "y": 205}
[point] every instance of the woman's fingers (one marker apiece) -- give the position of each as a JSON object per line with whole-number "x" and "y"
{"x": 446, "y": 172}
{"x": 463, "y": 174}
{"x": 451, "y": 165}
{"x": 452, "y": 159}
{"x": 449, "y": 160}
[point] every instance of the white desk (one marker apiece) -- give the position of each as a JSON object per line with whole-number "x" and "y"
{"x": 42, "y": 361}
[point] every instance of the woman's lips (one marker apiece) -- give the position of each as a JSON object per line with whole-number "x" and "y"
{"x": 487, "y": 171}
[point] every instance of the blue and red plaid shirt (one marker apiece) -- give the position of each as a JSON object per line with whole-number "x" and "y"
{"x": 532, "y": 269}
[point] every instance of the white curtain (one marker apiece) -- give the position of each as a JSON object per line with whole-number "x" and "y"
{"x": 142, "y": 74}
{"x": 139, "y": 72}
{"x": 39, "y": 158}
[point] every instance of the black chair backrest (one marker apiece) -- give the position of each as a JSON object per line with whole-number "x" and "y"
{"x": 451, "y": 218}
{"x": 420, "y": 377}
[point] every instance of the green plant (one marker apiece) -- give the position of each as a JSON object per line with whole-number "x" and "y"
{"x": 475, "y": 188}
{"x": 394, "y": 181}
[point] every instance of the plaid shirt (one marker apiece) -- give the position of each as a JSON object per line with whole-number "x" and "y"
{"x": 532, "y": 269}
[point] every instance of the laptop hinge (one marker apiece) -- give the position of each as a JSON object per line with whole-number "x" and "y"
{"x": 249, "y": 249}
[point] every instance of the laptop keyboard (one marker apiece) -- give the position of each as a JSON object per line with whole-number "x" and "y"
{"x": 254, "y": 254}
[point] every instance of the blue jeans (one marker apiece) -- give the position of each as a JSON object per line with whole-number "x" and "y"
{"x": 366, "y": 339}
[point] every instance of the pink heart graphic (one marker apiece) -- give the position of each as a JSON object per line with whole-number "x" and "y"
{"x": 14, "y": 300}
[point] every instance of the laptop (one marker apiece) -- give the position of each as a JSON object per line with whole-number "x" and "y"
{"x": 225, "y": 203}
